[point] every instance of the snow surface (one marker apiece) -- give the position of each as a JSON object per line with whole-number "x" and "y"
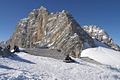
{"x": 100, "y": 44}
{"x": 23, "y": 66}
{"x": 103, "y": 55}
{"x": 86, "y": 45}
{"x": 97, "y": 43}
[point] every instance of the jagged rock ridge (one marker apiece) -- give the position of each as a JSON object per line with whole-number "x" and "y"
{"x": 99, "y": 34}
{"x": 53, "y": 30}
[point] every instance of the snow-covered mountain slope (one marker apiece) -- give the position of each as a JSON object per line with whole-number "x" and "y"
{"x": 102, "y": 55}
{"x": 97, "y": 43}
{"x": 101, "y": 44}
{"x": 100, "y": 34}
{"x": 24, "y": 66}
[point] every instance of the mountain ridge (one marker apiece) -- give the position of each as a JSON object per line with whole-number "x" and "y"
{"x": 101, "y": 35}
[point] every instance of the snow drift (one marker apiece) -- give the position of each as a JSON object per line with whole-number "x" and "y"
{"x": 102, "y": 55}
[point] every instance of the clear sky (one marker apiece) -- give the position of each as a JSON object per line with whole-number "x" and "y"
{"x": 105, "y": 13}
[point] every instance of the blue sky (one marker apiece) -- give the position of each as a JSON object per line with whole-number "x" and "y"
{"x": 105, "y": 13}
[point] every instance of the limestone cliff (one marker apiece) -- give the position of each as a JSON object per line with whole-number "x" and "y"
{"x": 52, "y": 30}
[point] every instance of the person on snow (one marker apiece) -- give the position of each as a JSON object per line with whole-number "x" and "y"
{"x": 68, "y": 59}
{"x": 16, "y": 49}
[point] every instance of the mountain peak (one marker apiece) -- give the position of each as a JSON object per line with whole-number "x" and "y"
{"x": 54, "y": 31}
{"x": 43, "y": 8}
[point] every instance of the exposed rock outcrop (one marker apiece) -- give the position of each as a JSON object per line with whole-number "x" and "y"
{"x": 53, "y": 30}
{"x": 101, "y": 35}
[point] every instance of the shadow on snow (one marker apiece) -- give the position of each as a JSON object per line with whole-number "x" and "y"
{"x": 17, "y": 58}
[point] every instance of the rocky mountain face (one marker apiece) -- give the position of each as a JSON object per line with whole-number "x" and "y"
{"x": 101, "y": 35}
{"x": 59, "y": 30}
